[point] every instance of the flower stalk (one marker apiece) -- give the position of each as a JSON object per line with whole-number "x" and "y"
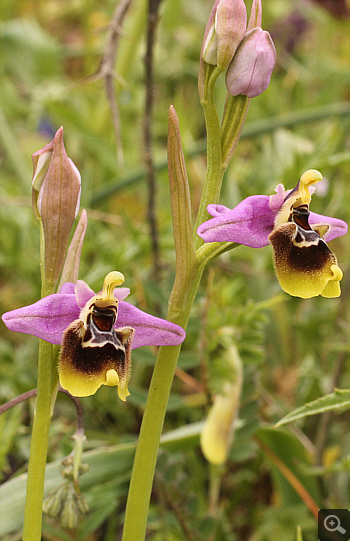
{"x": 236, "y": 109}
{"x": 179, "y": 308}
{"x": 186, "y": 283}
{"x": 56, "y": 196}
{"x": 40, "y": 436}
{"x": 153, "y": 419}
{"x": 215, "y": 171}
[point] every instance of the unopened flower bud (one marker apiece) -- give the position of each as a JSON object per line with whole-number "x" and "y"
{"x": 56, "y": 197}
{"x": 255, "y": 15}
{"x": 82, "y": 504}
{"x": 210, "y": 47}
{"x": 41, "y": 163}
{"x": 52, "y": 505}
{"x": 69, "y": 516}
{"x": 251, "y": 68}
{"x": 225, "y": 30}
{"x": 66, "y": 504}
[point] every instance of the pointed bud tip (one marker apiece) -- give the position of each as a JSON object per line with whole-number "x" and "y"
{"x": 58, "y": 139}
{"x": 255, "y": 15}
{"x": 173, "y": 115}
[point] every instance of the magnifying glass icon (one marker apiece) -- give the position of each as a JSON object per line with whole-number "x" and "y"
{"x": 332, "y": 524}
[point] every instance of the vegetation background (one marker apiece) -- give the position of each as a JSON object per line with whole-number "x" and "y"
{"x": 293, "y": 350}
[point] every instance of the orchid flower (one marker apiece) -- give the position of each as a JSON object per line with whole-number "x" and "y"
{"x": 304, "y": 264}
{"x": 96, "y": 332}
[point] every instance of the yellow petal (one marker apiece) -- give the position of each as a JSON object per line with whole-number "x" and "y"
{"x": 216, "y": 434}
{"x": 304, "y": 286}
{"x": 321, "y": 229}
{"x": 112, "y": 378}
{"x": 106, "y": 297}
{"x": 332, "y": 288}
{"x": 80, "y": 384}
{"x": 123, "y": 390}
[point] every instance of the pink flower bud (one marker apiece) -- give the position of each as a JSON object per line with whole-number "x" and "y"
{"x": 255, "y": 15}
{"x": 251, "y": 68}
{"x": 225, "y": 30}
{"x": 41, "y": 163}
{"x": 56, "y": 197}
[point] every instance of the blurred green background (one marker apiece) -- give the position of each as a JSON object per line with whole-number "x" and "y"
{"x": 293, "y": 350}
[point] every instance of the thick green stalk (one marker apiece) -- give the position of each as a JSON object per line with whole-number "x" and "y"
{"x": 151, "y": 428}
{"x": 39, "y": 441}
{"x": 188, "y": 277}
{"x": 180, "y": 305}
{"x": 152, "y": 423}
{"x": 47, "y": 386}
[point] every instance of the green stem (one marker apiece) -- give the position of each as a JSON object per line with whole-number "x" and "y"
{"x": 151, "y": 428}
{"x": 180, "y": 305}
{"x": 212, "y": 249}
{"x": 215, "y": 171}
{"x": 38, "y": 447}
{"x": 157, "y": 400}
{"x": 234, "y": 116}
{"x": 40, "y": 432}
{"x": 214, "y": 489}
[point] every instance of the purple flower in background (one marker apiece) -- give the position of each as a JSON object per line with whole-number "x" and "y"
{"x": 304, "y": 264}
{"x": 97, "y": 333}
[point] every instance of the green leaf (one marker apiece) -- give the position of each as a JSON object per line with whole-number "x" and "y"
{"x": 70, "y": 271}
{"x": 340, "y": 399}
{"x": 181, "y": 211}
{"x": 106, "y": 463}
{"x": 9, "y": 424}
{"x": 299, "y": 534}
{"x": 283, "y": 447}
{"x": 91, "y": 523}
